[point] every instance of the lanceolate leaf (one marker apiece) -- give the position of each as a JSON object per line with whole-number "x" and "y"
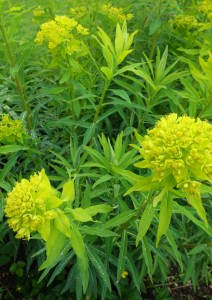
{"x": 99, "y": 266}
{"x": 183, "y": 210}
{"x": 147, "y": 256}
{"x": 68, "y": 192}
{"x": 54, "y": 245}
{"x": 11, "y": 148}
{"x": 80, "y": 214}
{"x": 119, "y": 219}
{"x": 173, "y": 244}
{"x": 62, "y": 223}
{"x": 164, "y": 217}
{"x": 82, "y": 259}
{"x": 145, "y": 221}
{"x": 122, "y": 255}
{"x": 97, "y": 231}
{"x": 100, "y": 208}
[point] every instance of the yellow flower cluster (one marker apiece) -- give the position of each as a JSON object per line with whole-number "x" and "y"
{"x": 11, "y": 131}
{"x": 205, "y": 6}
{"x": 114, "y": 13}
{"x": 61, "y": 35}
{"x": 38, "y": 11}
{"x": 29, "y": 205}
{"x": 78, "y": 11}
{"x": 181, "y": 148}
{"x": 184, "y": 21}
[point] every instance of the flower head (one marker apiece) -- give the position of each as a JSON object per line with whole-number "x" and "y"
{"x": 62, "y": 36}
{"x": 30, "y": 204}
{"x": 178, "y": 147}
{"x": 38, "y": 11}
{"x": 115, "y": 13}
{"x": 184, "y": 22}
{"x": 11, "y": 131}
{"x": 179, "y": 153}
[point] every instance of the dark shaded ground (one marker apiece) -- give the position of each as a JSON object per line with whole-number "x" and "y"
{"x": 26, "y": 288}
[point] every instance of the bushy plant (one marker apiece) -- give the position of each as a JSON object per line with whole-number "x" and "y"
{"x": 105, "y": 148}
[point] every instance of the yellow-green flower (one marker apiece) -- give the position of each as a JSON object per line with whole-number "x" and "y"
{"x": 124, "y": 274}
{"x": 178, "y": 150}
{"x": 184, "y": 21}
{"x": 62, "y": 36}
{"x": 114, "y": 13}
{"x": 178, "y": 147}
{"x": 11, "y": 131}
{"x": 38, "y": 11}
{"x": 78, "y": 11}
{"x": 30, "y": 205}
{"x": 205, "y": 6}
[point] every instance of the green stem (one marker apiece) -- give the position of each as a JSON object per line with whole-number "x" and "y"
{"x": 23, "y": 96}
{"x": 107, "y": 84}
{"x": 154, "y": 43}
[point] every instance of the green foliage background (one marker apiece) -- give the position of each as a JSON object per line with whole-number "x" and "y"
{"x": 80, "y": 113}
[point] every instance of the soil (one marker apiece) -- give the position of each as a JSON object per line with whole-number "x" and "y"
{"x": 12, "y": 289}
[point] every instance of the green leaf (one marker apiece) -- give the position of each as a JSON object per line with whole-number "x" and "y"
{"x": 107, "y": 72}
{"x": 173, "y": 244}
{"x": 102, "y": 179}
{"x": 164, "y": 217}
{"x": 144, "y": 184}
{"x": 89, "y": 134}
{"x": 96, "y": 156}
{"x": 198, "y": 249}
{"x": 128, "y": 175}
{"x": 190, "y": 268}
{"x": 68, "y": 192}
{"x": 54, "y": 245}
{"x": 119, "y": 219}
{"x": 82, "y": 259}
{"x": 61, "y": 267}
{"x": 122, "y": 94}
{"x": 100, "y": 208}
{"x": 11, "y": 148}
{"x": 99, "y": 266}
{"x": 53, "y": 91}
{"x": 145, "y": 221}
{"x": 196, "y": 202}
{"x": 154, "y": 25}
{"x": 147, "y": 256}
{"x": 143, "y": 74}
{"x": 8, "y": 166}
{"x": 97, "y": 231}
{"x": 77, "y": 242}
{"x": 133, "y": 270}
{"x": 184, "y": 211}
{"x": 80, "y": 214}
{"x": 122, "y": 255}
{"x": 62, "y": 223}
{"x": 5, "y": 185}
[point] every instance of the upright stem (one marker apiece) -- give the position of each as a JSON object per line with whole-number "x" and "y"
{"x": 23, "y": 96}
{"x": 107, "y": 83}
{"x": 154, "y": 43}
